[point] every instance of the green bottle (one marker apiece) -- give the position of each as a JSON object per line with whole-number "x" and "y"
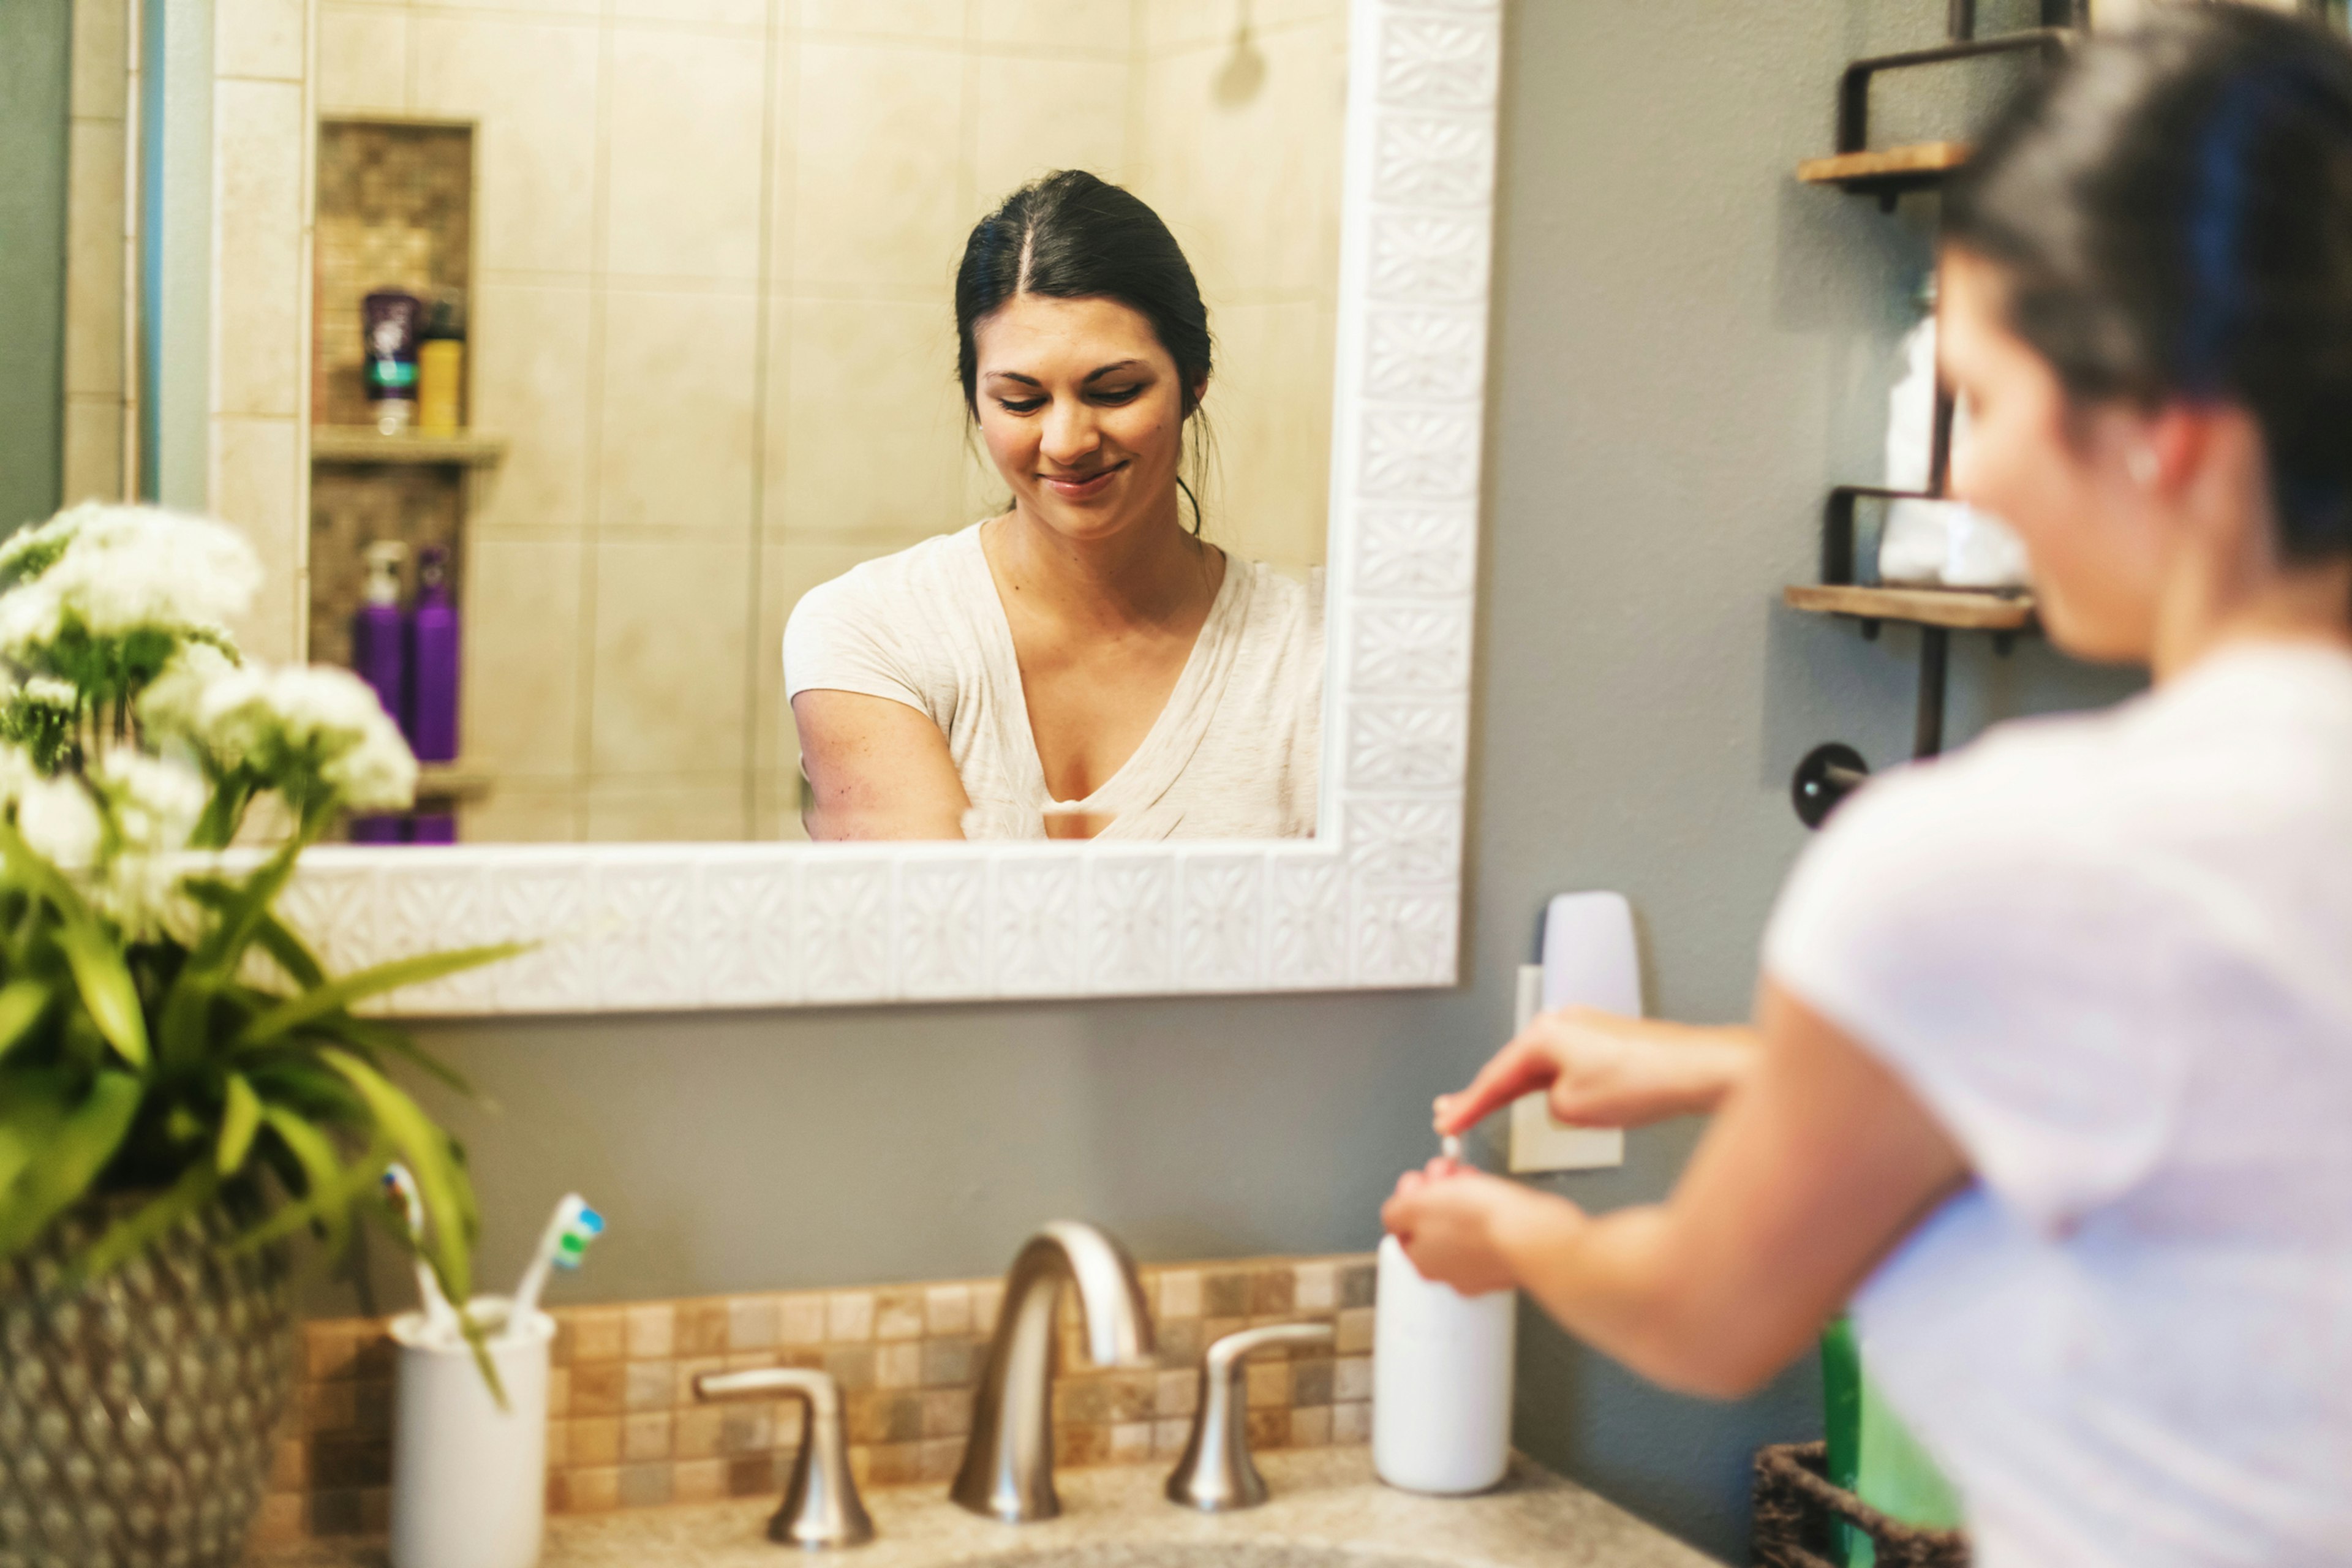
{"x": 1873, "y": 1455}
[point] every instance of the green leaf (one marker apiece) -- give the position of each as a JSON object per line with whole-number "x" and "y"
{"x": 298, "y": 1082}
{"x": 96, "y": 963}
{"x": 241, "y": 909}
{"x": 195, "y": 1188}
{"x": 330, "y": 1188}
{"x": 441, "y": 1184}
{"x": 339, "y": 995}
{"x": 63, "y": 1168}
{"x": 224, "y": 813}
{"x": 385, "y": 1039}
{"x": 32, "y": 1105}
{"x": 22, "y": 1004}
{"x": 240, "y": 1119}
{"x": 106, "y": 989}
{"x": 289, "y": 952}
{"x": 242, "y": 914}
{"x": 183, "y": 1026}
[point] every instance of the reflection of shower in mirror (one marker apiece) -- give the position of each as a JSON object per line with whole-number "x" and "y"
{"x": 1243, "y": 72}
{"x": 711, "y": 365}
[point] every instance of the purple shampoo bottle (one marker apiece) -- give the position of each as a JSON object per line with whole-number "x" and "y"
{"x": 433, "y": 682}
{"x": 380, "y": 657}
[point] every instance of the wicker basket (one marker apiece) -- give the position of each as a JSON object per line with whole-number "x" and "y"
{"x": 1797, "y": 1508}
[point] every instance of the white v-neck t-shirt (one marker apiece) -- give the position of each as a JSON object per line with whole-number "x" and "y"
{"x": 1235, "y": 755}
{"x": 2112, "y": 955}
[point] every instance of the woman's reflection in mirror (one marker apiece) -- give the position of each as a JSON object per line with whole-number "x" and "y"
{"x": 1084, "y": 664}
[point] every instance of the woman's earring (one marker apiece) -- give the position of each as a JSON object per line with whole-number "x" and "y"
{"x": 2141, "y": 465}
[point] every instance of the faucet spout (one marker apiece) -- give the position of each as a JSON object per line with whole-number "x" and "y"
{"x": 1008, "y": 1462}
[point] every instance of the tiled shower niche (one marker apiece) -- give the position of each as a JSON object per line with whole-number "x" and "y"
{"x": 395, "y": 211}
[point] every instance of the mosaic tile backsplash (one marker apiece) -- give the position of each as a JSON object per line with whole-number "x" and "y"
{"x": 625, "y": 1429}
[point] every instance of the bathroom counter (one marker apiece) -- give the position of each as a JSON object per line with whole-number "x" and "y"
{"x": 1327, "y": 1509}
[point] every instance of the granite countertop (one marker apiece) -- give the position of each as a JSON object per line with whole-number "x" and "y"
{"x": 1327, "y": 1511}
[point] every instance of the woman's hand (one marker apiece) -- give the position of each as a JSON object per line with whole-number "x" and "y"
{"x": 1819, "y": 1164}
{"x": 1604, "y": 1070}
{"x": 1461, "y": 1226}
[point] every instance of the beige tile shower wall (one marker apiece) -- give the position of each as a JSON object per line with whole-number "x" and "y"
{"x": 711, "y": 315}
{"x": 262, "y": 117}
{"x": 1241, "y": 121}
{"x": 98, "y": 216}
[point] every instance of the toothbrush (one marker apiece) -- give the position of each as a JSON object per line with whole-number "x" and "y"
{"x": 562, "y": 1245}
{"x": 400, "y": 1187}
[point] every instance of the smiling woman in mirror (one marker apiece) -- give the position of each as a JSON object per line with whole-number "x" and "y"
{"x": 1085, "y": 665}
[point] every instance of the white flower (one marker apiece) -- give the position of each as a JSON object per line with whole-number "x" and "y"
{"x": 292, "y": 726}
{"x": 49, "y": 691}
{"x": 61, "y": 822}
{"x": 30, "y": 551}
{"x": 114, "y": 570}
{"x": 173, "y": 698}
{"x": 17, "y": 773}
{"x": 154, "y": 801}
{"x": 146, "y": 896}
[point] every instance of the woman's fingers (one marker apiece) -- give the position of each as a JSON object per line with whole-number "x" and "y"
{"x": 1523, "y": 1067}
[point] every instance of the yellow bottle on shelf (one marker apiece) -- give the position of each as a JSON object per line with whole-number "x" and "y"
{"x": 441, "y": 372}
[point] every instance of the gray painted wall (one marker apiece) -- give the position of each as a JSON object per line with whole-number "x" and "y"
{"x": 1689, "y": 348}
{"x": 35, "y": 45}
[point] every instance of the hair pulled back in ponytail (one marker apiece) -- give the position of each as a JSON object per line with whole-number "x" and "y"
{"x": 2172, "y": 209}
{"x": 1072, "y": 236}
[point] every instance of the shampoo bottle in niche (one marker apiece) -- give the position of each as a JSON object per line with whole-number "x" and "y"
{"x": 1441, "y": 1381}
{"x": 433, "y": 683}
{"x": 388, "y": 366}
{"x": 380, "y": 655}
{"x": 441, "y": 369}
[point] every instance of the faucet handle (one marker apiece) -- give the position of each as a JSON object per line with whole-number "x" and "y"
{"x": 821, "y": 1505}
{"x": 1216, "y": 1472}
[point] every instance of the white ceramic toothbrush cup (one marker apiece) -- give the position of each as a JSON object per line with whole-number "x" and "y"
{"x": 469, "y": 1479}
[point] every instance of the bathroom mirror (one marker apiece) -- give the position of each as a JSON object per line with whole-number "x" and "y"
{"x": 694, "y": 260}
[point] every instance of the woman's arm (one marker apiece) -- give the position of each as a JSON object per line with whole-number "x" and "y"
{"x": 879, "y": 769}
{"x": 1604, "y": 1070}
{"x": 1809, "y": 1175}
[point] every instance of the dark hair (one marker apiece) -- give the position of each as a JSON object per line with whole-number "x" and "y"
{"x": 1070, "y": 235}
{"x": 2172, "y": 209}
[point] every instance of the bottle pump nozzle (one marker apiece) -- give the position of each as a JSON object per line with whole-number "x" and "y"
{"x": 383, "y": 558}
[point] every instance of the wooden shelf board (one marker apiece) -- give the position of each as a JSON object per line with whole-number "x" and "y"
{"x": 1889, "y": 168}
{"x": 366, "y": 444}
{"x": 1960, "y": 609}
{"x": 451, "y": 781}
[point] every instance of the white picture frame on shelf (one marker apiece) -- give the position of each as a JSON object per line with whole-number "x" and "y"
{"x": 1371, "y": 902}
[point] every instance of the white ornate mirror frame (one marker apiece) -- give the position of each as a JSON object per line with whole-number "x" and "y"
{"x": 1371, "y": 902}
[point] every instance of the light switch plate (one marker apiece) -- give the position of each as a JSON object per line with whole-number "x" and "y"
{"x": 1588, "y": 960}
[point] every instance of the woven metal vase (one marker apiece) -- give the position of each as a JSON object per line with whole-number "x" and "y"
{"x": 136, "y": 1414}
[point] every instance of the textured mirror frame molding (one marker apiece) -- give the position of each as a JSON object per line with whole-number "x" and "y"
{"x": 1372, "y": 902}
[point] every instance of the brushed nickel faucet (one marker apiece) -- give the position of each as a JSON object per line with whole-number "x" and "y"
{"x": 1008, "y": 1462}
{"x": 821, "y": 1505}
{"x": 1216, "y": 1472}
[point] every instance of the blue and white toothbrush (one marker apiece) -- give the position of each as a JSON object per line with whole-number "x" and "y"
{"x": 440, "y": 1318}
{"x": 562, "y": 1245}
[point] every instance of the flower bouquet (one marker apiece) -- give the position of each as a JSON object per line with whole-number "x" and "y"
{"x": 182, "y": 1085}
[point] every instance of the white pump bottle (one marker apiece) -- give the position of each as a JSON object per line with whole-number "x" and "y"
{"x": 1440, "y": 1381}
